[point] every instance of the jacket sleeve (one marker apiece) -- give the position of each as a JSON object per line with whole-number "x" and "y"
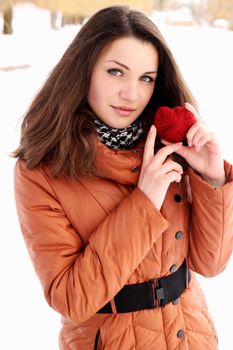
{"x": 211, "y": 234}
{"x": 79, "y": 279}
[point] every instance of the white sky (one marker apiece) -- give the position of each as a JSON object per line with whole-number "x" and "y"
{"x": 205, "y": 57}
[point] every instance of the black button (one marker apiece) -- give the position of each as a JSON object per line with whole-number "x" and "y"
{"x": 179, "y": 235}
{"x": 178, "y": 198}
{"x": 176, "y": 301}
{"x": 135, "y": 169}
{"x": 180, "y": 333}
{"x": 173, "y": 268}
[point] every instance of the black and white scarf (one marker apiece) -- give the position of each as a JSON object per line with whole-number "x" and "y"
{"x": 124, "y": 138}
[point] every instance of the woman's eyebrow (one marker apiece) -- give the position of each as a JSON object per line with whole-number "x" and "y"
{"x": 123, "y": 65}
{"x": 152, "y": 72}
{"x": 119, "y": 63}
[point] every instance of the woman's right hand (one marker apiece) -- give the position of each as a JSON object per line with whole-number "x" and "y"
{"x": 158, "y": 170}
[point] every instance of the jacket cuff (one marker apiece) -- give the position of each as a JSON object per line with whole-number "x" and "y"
{"x": 204, "y": 189}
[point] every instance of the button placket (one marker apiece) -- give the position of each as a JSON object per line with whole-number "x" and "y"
{"x": 173, "y": 268}
{"x": 177, "y": 198}
{"x": 179, "y": 235}
{"x": 176, "y": 301}
{"x": 135, "y": 169}
{"x": 180, "y": 333}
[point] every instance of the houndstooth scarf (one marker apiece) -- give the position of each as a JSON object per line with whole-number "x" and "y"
{"x": 124, "y": 138}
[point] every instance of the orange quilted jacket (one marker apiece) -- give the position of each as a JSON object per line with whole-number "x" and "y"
{"x": 88, "y": 238}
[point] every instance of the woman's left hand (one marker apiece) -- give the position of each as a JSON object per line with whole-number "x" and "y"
{"x": 203, "y": 152}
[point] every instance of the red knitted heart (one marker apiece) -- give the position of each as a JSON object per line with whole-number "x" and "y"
{"x": 172, "y": 124}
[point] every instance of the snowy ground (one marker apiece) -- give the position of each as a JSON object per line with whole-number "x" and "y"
{"x": 205, "y": 57}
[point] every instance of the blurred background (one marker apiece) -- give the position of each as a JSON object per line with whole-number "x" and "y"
{"x": 214, "y": 13}
{"x": 33, "y": 37}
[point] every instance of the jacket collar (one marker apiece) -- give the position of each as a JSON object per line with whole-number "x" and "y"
{"x": 122, "y": 166}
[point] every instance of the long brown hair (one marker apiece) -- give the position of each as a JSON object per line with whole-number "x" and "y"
{"x": 58, "y": 127}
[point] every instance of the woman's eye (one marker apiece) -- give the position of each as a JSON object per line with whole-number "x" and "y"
{"x": 147, "y": 79}
{"x": 115, "y": 72}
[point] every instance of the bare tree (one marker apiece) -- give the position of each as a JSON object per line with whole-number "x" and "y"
{"x": 216, "y": 9}
{"x": 7, "y": 10}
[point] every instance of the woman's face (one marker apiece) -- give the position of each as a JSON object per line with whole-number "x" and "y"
{"x": 123, "y": 81}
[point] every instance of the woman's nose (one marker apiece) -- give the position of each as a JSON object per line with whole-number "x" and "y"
{"x": 129, "y": 91}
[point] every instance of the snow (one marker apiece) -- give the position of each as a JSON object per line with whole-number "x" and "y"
{"x": 205, "y": 56}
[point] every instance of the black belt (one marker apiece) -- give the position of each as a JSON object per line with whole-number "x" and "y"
{"x": 151, "y": 294}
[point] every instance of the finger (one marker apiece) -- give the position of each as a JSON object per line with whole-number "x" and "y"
{"x": 164, "y": 152}
{"x": 191, "y": 133}
{"x": 149, "y": 147}
{"x": 164, "y": 142}
{"x": 173, "y": 176}
{"x": 196, "y": 141}
{"x": 193, "y": 110}
{"x": 170, "y": 165}
{"x": 206, "y": 137}
{"x": 183, "y": 151}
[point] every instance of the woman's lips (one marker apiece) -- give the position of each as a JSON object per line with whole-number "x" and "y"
{"x": 123, "y": 110}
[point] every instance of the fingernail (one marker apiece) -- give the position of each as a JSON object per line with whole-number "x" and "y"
{"x": 152, "y": 127}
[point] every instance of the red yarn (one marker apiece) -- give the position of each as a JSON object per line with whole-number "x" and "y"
{"x": 172, "y": 124}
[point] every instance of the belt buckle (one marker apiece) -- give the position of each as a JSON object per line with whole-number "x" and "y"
{"x": 158, "y": 293}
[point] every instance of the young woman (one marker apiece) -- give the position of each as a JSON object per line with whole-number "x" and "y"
{"x": 116, "y": 232}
